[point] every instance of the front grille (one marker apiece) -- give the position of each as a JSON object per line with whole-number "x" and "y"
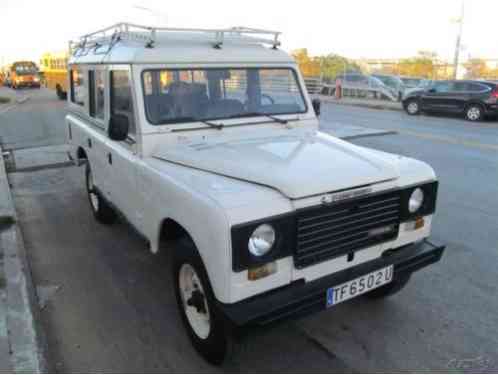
{"x": 326, "y": 232}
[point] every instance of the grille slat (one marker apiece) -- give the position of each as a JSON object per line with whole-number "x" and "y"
{"x": 326, "y": 232}
{"x": 366, "y": 228}
{"x": 354, "y": 216}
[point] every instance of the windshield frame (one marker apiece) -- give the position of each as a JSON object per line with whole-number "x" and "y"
{"x": 193, "y": 68}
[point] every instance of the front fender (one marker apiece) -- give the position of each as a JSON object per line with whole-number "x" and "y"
{"x": 166, "y": 194}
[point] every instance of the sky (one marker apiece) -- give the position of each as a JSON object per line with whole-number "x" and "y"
{"x": 352, "y": 28}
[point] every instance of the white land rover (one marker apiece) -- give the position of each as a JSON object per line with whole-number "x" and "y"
{"x": 207, "y": 143}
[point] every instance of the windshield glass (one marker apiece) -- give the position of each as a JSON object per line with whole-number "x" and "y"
{"x": 25, "y": 69}
{"x": 173, "y": 96}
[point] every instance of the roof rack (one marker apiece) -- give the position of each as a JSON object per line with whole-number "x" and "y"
{"x": 109, "y": 36}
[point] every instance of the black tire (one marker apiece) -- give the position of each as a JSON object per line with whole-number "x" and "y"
{"x": 412, "y": 107}
{"x": 474, "y": 112}
{"x": 388, "y": 290}
{"x": 101, "y": 209}
{"x": 218, "y": 343}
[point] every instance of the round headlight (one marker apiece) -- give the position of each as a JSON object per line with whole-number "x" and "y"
{"x": 262, "y": 240}
{"x": 416, "y": 200}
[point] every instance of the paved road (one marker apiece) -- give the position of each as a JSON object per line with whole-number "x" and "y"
{"x": 110, "y": 307}
{"x": 32, "y": 118}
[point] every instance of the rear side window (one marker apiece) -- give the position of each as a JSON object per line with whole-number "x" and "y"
{"x": 97, "y": 93}
{"x": 477, "y": 87}
{"x": 121, "y": 97}
{"x": 78, "y": 86}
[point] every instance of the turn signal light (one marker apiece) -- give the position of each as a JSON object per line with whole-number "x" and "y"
{"x": 260, "y": 272}
{"x": 416, "y": 224}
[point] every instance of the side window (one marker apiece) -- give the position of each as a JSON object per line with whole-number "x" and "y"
{"x": 476, "y": 87}
{"x": 78, "y": 93}
{"x": 121, "y": 97}
{"x": 460, "y": 87}
{"x": 97, "y": 93}
{"x": 442, "y": 87}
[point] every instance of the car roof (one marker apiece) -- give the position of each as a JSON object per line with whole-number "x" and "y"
{"x": 177, "y": 46}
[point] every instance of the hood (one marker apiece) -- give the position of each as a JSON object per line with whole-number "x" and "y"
{"x": 297, "y": 165}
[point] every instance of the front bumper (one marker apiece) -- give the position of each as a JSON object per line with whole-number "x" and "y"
{"x": 28, "y": 84}
{"x": 300, "y": 298}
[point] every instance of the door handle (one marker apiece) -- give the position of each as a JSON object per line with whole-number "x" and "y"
{"x": 109, "y": 158}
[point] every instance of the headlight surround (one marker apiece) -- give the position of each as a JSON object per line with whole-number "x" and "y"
{"x": 410, "y": 199}
{"x": 416, "y": 200}
{"x": 253, "y": 243}
{"x": 262, "y": 240}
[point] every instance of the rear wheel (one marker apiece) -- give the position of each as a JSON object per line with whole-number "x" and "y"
{"x": 100, "y": 208}
{"x": 197, "y": 304}
{"x": 389, "y": 289}
{"x": 412, "y": 107}
{"x": 60, "y": 94}
{"x": 474, "y": 112}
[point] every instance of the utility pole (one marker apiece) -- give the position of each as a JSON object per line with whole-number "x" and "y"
{"x": 458, "y": 42}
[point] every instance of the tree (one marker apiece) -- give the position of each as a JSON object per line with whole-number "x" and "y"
{"x": 327, "y": 67}
{"x": 309, "y": 67}
{"x": 333, "y": 65}
{"x": 422, "y": 65}
{"x": 477, "y": 68}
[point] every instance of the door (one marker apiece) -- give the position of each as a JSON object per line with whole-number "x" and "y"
{"x": 122, "y": 155}
{"x": 440, "y": 97}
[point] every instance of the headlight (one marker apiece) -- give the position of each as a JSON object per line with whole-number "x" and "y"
{"x": 416, "y": 200}
{"x": 36, "y": 79}
{"x": 261, "y": 240}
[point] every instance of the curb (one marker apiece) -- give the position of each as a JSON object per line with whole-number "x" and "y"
{"x": 20, "y": 312}
{"x": 344, "y": 102}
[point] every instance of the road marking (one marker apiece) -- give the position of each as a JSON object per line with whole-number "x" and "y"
{"x": 454, "y": 141}
{"x": 8, "y": 108}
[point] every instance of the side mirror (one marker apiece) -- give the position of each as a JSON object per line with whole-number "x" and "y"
{"x": 118, "y": 127}
{"x": 317, "y": 104}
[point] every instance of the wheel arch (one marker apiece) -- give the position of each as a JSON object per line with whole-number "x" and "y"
{"x": 171, "y": 230}
{"x": 81, "y": 153}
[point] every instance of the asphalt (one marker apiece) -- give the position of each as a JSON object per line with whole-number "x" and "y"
{"x": 108, "y": 304}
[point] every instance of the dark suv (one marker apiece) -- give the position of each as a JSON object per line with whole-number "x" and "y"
{"x": 473, "y": 99}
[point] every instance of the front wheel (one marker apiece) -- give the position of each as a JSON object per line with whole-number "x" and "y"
{"x": 412, "y": 107}
{"x": 197, "y": 306}
{"x": 389, "y": 289}
{"x": 100, "y": 208}
{"x": 474, "y": 113}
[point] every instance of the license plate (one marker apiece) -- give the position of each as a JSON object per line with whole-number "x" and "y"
{"x": 360, "y": 285}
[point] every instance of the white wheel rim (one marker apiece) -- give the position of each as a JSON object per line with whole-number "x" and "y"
{"x": 474, "y": 113}
{"x": 188, "y": 282}
{"x": 94, "y": 199}
{"x": 412, "y": 107}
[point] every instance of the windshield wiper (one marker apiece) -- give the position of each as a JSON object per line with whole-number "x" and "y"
{"x": 193, "y": 119}
{"x": 276, "y": 119}
{"x": 213, "y": 125}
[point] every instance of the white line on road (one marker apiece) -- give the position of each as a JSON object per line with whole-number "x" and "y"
{"x": 455, "y": 141}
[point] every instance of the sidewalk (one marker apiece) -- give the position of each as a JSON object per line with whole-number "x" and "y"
{"x": 362, "y": 102}
{"x": 20, "y": 349}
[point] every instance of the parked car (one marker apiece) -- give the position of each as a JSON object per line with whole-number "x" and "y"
{"x": 393, "y": 82}
{"x": 360, "y": 81}
{"x": 473, "y": 99}
{"x": 208, "y": 144}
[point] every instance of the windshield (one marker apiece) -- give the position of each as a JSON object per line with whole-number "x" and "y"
{"x": 173, "y": 96}
{"x": 25, "y": 69}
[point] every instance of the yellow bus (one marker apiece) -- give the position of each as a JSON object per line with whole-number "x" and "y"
{"x": 53, "y": 67}
{"x": 24, "y": 74}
